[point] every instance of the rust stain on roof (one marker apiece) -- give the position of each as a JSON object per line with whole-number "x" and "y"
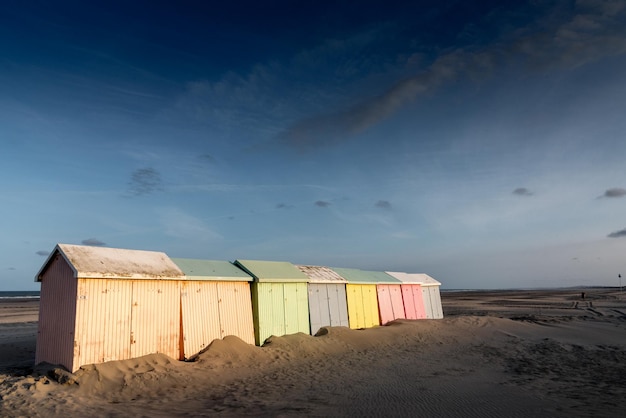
{"x": 101, "y": 262}
{"x": 319, "y": 274}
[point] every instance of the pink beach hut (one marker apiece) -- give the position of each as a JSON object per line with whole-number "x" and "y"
{"x": 388, "y": 292}
{"x": 102, "y": 304}
{"x": 412, "y": 295}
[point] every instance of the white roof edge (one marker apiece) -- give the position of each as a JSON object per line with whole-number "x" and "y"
{"x": 414, "y": 278}
{"x": 46, "y": 263}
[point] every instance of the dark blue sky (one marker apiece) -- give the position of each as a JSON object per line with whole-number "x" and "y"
{"x": 482, "y": 144}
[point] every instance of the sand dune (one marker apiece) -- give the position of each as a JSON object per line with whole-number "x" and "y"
{"x": 495, "y": 354}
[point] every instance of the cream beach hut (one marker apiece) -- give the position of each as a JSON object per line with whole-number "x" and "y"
{"x": 280, "y": 304}
{"x": 215, "y": 302}
{"x": 100, "y": 304}
{"x": 327, "y": 297}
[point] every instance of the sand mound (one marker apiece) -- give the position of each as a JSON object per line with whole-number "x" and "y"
{"x": 227, "y": 352}
{"x": 521, "y": 355}
{"x": 115, "y": 375}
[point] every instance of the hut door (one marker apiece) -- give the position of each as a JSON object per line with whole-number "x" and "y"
{"x": 319, "y": 307}
{"x": 337, "y": 305}
{"x": 155, "y": 318}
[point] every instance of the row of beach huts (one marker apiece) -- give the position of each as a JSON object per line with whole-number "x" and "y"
{"x": 101, "y": 304}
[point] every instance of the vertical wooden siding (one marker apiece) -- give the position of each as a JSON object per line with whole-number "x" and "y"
{"x": 337, "y": 304}
{"x": 435, "y": 302}
{"x": 362, "y": 305}
{"x": 279, "y": 309}
{"x": 57, "y": 314}
{"x": 102, "y": 321}
{"x": 319, "y": 311}
{"x": 268, "y": 310}
{"x": 395, "y": 293}
{"x": 413, "y": 301}
{"x": 200, "y": 316}
{"x": 390, "y": 304}
{"x": 432, "y": 302}
{"x": 427, "y": 305}
{"x": 235, "y": 310}
{"x": 327, "y": 305}
{"x": 385, "y": 308}
{"x": 155, "y": 318}
{"x": 296, "y": 305}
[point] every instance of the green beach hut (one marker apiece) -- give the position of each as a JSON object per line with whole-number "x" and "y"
{"x": 280, "y": 304}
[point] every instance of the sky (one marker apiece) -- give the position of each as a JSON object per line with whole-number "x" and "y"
{"x": 482, "y": 143}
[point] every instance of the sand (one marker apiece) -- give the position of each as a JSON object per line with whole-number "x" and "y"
{"x": 495, "y": 354}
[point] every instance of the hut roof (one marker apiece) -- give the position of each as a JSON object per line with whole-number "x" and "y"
{"x": 114, "y": 263}
{"x": 365, "y": 277}
{"x": 272, "y": 271}
{"x": 415, "y": 278}
{"x": 318, "y": 274}
{"x": 211, "y": 270}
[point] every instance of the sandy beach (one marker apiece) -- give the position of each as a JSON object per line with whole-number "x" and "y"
{"x": 495, "y": 354}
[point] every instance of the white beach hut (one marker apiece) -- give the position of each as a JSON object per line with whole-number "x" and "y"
{"x": 327, "y": 297}
{"x": 431, "y": 295}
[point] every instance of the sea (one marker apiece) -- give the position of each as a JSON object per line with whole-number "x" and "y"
{"x": 19, "y": 294}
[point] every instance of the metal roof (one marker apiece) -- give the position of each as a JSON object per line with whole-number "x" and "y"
{"x": 211, "y": 270}
{"x": 318, "y": 274}
{"x": 114, "y": 263}
{"x": 365, "y": 276}
{"x": 272, "y": 271}
{"x": 414, "y": 278}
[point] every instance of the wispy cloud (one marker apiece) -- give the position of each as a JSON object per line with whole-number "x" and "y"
{"x": 614, "y": 192}
{"x": 262, "y": 100}
{"x": 144, "y": 181}
{"x": 179, "y": 224}
{"x": 383, "y": 204}
{"x": 207, "y": 158}
{"x": 94, "y": 242}
{"x": 522, "y": 191}
{"x": 43, "y": 253}
{"x": 567, "y": 39}
{"x": 322, "y": 204}
{"x": 283, "y": 206}
{"x": 618, "y": 234}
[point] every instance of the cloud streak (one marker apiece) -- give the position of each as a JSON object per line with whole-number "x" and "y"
{"x": 522, "y": 191}
{"x": 614, "y": 192}
{"x": 593, "y": 30}
{"x": 93, "y": 242}
{"x": 618, "y": 234}
{"x": 145, "y": 181}
{"x": 383, "y": 204}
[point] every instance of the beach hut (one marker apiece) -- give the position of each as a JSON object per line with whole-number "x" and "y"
{"x": 431, "y": 295}
{"x": 215, "y": 302}
{"x": 101, "y": 304}
{"x": 374, "y": 297}
{"x": 390, "y": 303}
{"x": 412, "y": 295}
{"x": 327, "y": 298}
{"x": 361, "y": 298}
{"x": 280, "y": 303}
